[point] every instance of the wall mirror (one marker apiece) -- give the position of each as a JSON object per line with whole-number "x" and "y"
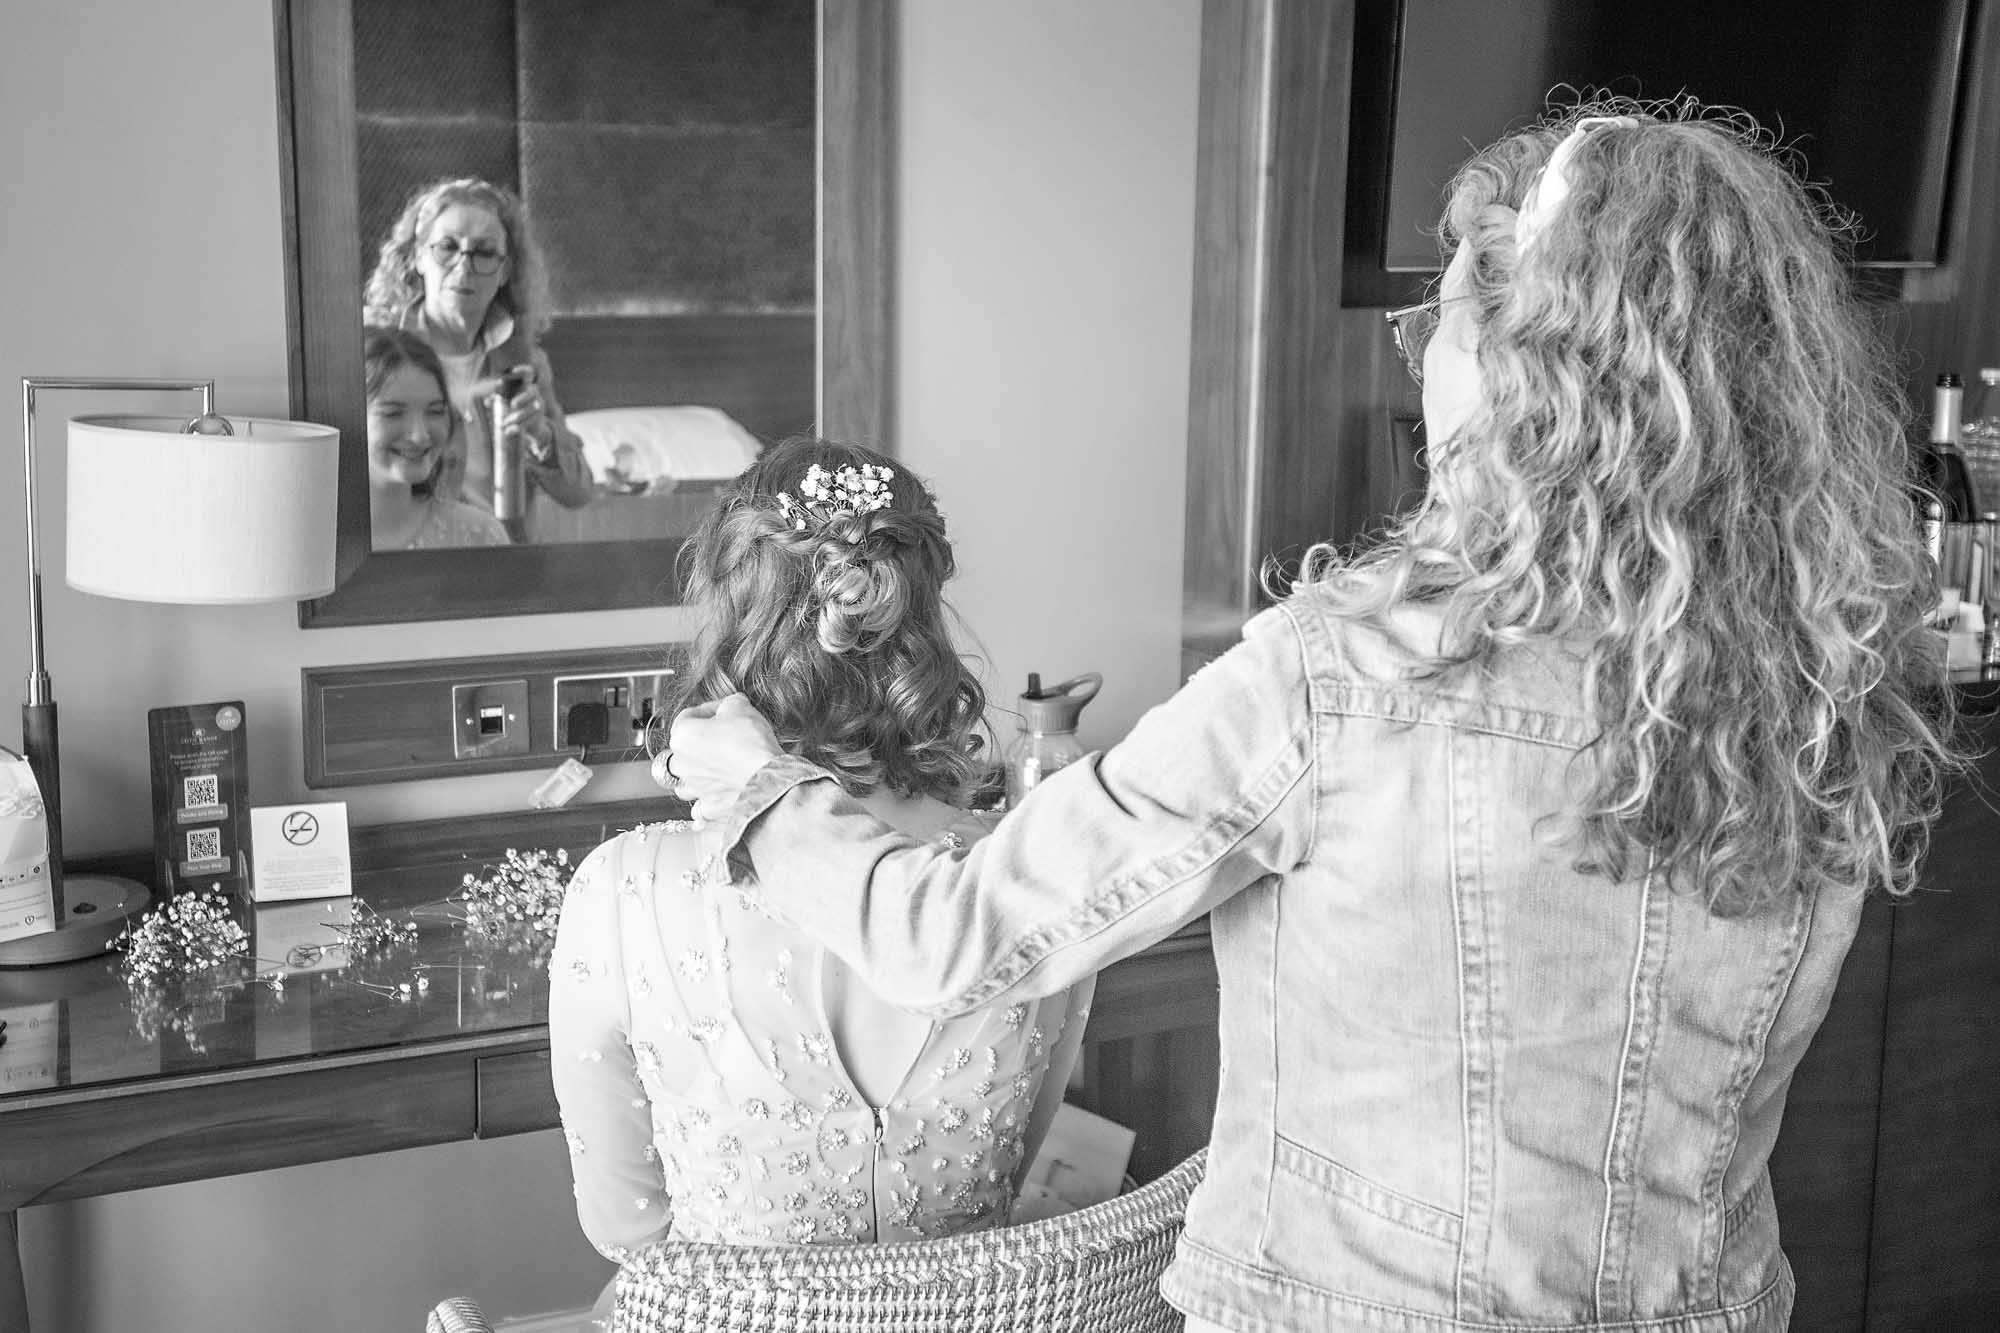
{"x": 706, "y": 189}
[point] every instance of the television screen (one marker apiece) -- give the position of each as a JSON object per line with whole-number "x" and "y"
{"x": 1864, "y": 92}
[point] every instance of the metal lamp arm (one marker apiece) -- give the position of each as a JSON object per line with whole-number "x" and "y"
{"x": 39, "y": 739}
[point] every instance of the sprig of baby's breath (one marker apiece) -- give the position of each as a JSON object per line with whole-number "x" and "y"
{"x": 367, "y": 931}
{"x": 192, "y": 932}
{"x": 524, "y": 893}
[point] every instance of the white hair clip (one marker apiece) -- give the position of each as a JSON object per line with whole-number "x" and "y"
{"x": 1552, "y": 186}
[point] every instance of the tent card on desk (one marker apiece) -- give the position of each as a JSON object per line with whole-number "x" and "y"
{"x": 300, "y": 851}
{"x": 201, "y": 790}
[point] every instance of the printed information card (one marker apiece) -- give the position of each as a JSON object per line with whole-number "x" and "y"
{"x": 299, "y": 851}
{"x": 201, "y": 787}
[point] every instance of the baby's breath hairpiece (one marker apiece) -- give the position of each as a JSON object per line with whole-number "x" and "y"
{"x": 192, "y": 932}
{"x": 367, "y": 931}
{"x": 525, "y": 892}
{"x": 847, "y": 493}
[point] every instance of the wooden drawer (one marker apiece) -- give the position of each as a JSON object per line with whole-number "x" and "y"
{"x": 515, "y": 1094}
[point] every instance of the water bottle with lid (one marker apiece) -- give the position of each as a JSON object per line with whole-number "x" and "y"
{"x": 1047, "y": 740}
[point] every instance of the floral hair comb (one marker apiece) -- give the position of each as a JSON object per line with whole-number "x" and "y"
{"x": 846, "y": 493}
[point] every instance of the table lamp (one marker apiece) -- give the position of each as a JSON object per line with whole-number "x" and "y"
{"x": 204, "y": 510}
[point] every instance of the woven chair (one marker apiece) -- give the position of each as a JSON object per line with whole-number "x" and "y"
{"x": 457, "y": 1314}
{"x": 1093, "y": 1270}
{"x": 1089, "y": 1271}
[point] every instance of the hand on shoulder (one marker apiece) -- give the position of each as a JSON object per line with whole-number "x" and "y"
{"x": 715, "y": 749}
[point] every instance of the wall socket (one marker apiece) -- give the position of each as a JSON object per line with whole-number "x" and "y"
{"x": 489, "y": 720}
{"x": 631, "y": 700}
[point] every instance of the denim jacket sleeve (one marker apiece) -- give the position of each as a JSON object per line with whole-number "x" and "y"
{"x": 1210, "y": 792}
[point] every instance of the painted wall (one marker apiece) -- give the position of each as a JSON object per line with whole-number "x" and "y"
{"x": 1046, "y": 177}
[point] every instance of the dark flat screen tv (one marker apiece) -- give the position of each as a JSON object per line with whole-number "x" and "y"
{"x": 1867, "y": 94}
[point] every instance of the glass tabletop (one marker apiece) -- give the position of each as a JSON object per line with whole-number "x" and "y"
{"x": 308, "y": 984}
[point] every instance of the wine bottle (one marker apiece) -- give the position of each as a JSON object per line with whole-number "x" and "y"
{"x": 1944, "y": 470}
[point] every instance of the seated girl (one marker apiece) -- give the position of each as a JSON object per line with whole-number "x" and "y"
{"x": 412, "y": 437}
{"x": 721, "y": 1076}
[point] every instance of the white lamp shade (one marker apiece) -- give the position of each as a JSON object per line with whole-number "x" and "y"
{"x": 158, "y": 515}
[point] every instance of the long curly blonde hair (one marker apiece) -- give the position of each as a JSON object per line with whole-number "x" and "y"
{"x": 837, "y": 632}
{"x": 1691, "y": 457}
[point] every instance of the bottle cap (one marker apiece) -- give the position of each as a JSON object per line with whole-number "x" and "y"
{"x": 1056, "y": 708}
{"x": 1989, "y": 374}
{"x": 1949, "y": 380}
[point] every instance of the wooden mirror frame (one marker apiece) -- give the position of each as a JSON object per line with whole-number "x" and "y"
{"x": 318, "y": 168}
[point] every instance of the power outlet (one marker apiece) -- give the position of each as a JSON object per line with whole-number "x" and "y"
{"x": 489, "y": 720}
{"x": 630, "y": 699}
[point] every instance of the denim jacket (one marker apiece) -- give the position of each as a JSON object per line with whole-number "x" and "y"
{"x": 1463, "y": 1084}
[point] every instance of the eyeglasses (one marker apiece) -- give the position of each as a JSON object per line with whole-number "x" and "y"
{"x": 1410, "y": 329}
{"x": 484, "y": 260}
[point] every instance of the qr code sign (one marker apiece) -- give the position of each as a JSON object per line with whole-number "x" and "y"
{"x": 199, "y": 792}
{"x": 205, "y": 844}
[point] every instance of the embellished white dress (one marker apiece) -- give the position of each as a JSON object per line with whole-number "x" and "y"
{"x": 703, "y": 1059}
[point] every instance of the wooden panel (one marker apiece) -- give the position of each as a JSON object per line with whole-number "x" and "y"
{"x": 757, "y": 368}
{"x": 67, "y": 1145}
{"x": 1162, "y": 1086}
{"x": 1935, "y": 1256}
{"x": 1313, "y": 349}
{"x": 1218, "y": 571}
{"x": 1151, "y": 1055}
{"x": 13, "y": 1283}
{"x": 1289, "y": 392}
{"x": 857, "y": 203}
{"x": 516, "y": 1094}
{"x": 322, "y": 213}
{"x": 390, "y": 721}
{"x": 1168, "y": 987}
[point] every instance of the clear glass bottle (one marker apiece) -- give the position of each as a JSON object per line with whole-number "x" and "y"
{"x": 1047, "y": 739}
{"x": 1982, "y": 421}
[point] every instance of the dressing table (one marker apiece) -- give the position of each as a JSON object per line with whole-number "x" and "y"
{"x": 340, "y": 1063}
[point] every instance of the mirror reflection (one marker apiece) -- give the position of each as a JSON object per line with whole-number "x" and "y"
{"x": 588, "y": 242}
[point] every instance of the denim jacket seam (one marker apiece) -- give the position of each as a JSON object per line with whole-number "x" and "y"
{"x": 1378, "y": 1200}
{"x": 1278, "y": 1284}
{"x": 1625, "y": 1135}
{"x": 1476, "y": 1056}
{"x": 1770, "y": 998}
{"x": 1310, "y": 683}
{"x": 1746, "y": 1209}
{"x": 1100, "y": 911}
{"x": 1559, "y": 730}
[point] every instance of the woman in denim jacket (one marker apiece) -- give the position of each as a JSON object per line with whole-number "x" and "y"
{"x": 1533, "y": 838}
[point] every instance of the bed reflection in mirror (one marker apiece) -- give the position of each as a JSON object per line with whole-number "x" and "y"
{"x": 600, "y": 215}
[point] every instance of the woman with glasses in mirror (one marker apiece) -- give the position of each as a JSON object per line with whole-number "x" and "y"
{"x": 460, "y": 269}
{"x": 1533, "y": 837}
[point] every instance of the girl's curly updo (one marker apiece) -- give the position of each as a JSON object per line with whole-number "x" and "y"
{"x": 832, "y": 621}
